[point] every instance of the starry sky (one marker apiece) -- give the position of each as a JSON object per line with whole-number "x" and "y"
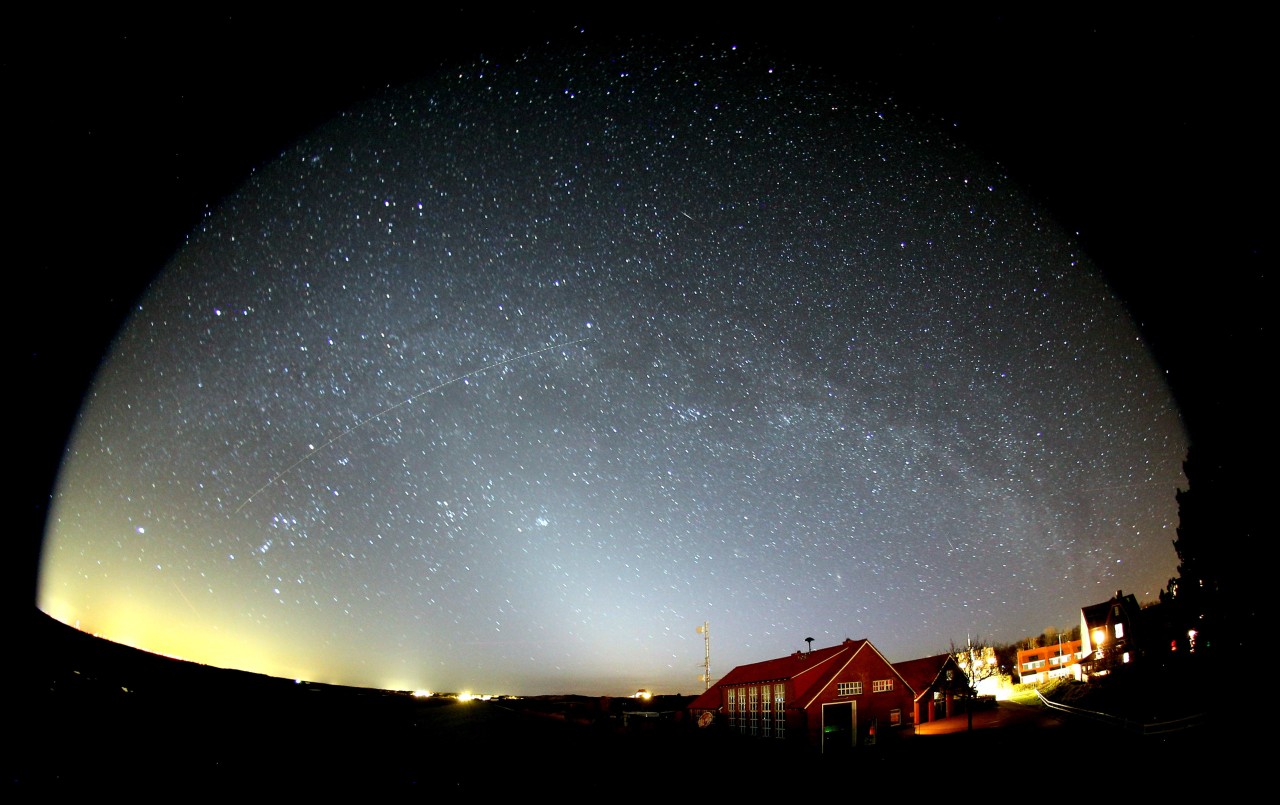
{"x": 508, "y": 374}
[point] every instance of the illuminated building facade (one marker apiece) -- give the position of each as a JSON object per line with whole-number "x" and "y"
{"x": 1054, "y": 661}
{"x": 1108, "y": 638}
{"x": 836, "y": 698}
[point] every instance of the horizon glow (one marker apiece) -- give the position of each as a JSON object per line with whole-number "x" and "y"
{"x": 511, "y": 379}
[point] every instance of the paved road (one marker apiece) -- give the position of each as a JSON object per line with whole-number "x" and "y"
{"x": 1004, "y": 714}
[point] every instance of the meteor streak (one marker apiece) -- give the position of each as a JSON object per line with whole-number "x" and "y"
{"x": 401, "y": 404}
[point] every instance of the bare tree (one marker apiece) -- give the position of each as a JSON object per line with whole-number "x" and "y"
{"x": 977, "y": 659}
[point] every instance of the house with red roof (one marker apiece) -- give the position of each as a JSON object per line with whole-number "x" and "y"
{"x": 936, "y": 682}
{"x": 835, "y": 698}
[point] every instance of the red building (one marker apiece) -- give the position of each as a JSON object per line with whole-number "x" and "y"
{"x": 836, "y": 698}
{"x": 1036, "y": 665}
{"x": 936, "y": 682}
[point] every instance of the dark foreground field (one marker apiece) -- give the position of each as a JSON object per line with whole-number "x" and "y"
{"x": 90, "y": 717}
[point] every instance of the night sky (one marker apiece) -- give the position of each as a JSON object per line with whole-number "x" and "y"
{"x": 506, "y": 368}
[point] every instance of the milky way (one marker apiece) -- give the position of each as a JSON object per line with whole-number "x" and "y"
{"x": 510, "y": 379}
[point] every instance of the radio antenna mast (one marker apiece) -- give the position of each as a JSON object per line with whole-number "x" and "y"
{"x": 705, "y": 631}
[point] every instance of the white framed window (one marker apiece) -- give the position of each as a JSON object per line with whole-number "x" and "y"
{"x": 732, "y": 706}
{"x": 895, "y": 717}
{"x": 779, "y": 711}
{"x": 766, "y": 711}
{"x": 755, "y": 706}
{"x": 849, "y": 689}
{"x": 1119, "y": 631}
{"x": 881, "y": 685}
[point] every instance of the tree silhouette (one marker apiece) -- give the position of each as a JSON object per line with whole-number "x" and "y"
{"x": 1217, "y": 594}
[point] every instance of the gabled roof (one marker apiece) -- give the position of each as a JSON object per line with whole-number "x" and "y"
{"x": 709, "y": 699}
{"x": 1097, "y": 614}
{"x": 922, "y": 673}
{"x": 811, "y": 671}
{"x": 807, "y": 668}
{"x": 789, "y": 667}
